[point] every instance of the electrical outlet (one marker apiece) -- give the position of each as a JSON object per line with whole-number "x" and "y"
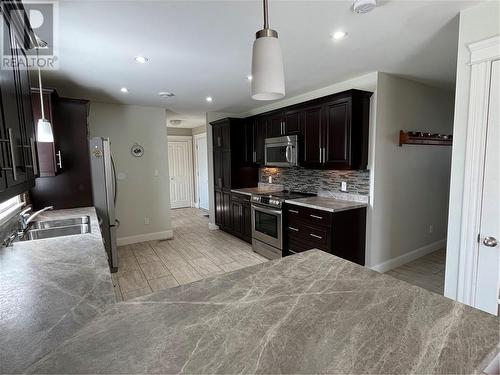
{"x": 343, "y": 186}
{"x": 146, "y": 221}
{"x": 431, "y": 229}
{"x": 270, "y": 179}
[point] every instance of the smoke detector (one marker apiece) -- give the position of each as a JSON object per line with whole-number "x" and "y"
{"x": 175, "y": 122}
{"x": 363, "y": 6}
{"x": 166, "y": 94}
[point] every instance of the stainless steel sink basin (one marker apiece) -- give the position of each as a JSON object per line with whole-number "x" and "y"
{"x": 38, "y": 234}
{"x": 60, "y": 223}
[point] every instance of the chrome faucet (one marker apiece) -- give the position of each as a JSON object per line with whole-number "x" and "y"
{"x": 25, "y": 218}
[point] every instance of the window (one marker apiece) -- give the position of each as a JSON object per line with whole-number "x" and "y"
{"x": 9, "y": 206}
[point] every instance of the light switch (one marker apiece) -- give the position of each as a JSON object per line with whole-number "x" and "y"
{"x": 121, "y": 176}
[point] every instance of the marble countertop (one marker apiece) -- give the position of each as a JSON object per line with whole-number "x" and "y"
{"x": 49, "y": 289}
{"x": 326, "y": 203}
{"x": 257, "y": 190}
{"x": 307, "y": 313}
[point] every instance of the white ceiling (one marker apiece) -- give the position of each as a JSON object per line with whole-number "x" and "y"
{"x": 202, "y": 48}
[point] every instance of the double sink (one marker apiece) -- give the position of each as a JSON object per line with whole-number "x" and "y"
{"x": 57, "y": 228}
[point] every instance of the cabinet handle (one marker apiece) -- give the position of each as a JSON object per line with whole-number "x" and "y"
{"x": 34, "y": 159}
{"x": 294, "y": 229}
{"x": 219, "y": 181}
{"x": 291, "y": 251}
{"x": 316, "y": 236}
{"x": 255, "y": 156}
{"x": 12, "y": 154}
{"x": 219, "y": 142}
{"x": 293, "y": 211}
{"x": 317, "y": 217}
{"x": 320, "y": 155}
{"x": 59, "y": 163}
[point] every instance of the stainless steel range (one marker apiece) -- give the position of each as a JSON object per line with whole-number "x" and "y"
{"x": 267, "y": 222}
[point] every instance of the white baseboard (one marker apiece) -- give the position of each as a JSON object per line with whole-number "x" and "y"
{"x": 165, "y": 235}
{"x": 212, "y": 226}
{"x": 196, "y": 205}
{"x": 408, "y": 257}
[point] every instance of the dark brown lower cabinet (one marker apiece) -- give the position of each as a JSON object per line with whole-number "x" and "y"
{"x": 241, "y": 217}
{"x": 340, "y": 233}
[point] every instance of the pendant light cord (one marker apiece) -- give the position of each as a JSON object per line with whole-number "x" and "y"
{"x": 266, "y": 11}
{"x": 40, "y": 81}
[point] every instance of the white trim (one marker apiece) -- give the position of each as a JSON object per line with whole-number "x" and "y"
{"x": 408, "y": 257}
{"x": 11, "y": 212}
{"x": 165, "y": 235}
{"x": 189, "y": 140}
{"x": 482, "y": 54}
{"x": 212, "y": 226}
{"x": 485, "y": 50}
{"x": 195, "y": 174}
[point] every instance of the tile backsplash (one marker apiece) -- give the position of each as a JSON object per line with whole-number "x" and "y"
{"x": 317, "y": 180}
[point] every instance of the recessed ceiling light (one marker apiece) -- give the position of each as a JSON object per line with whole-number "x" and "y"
{"x": 209, "y": 99}
{"x": 141, "y": 59}
{"x": 166, "y": 94}
{"x": 363, "y": 6}
{"x": 124, "y": 90}
{"x": 249, "y": 77}
{"x": 175, "y": 122}
{"x": 339, "y": 35}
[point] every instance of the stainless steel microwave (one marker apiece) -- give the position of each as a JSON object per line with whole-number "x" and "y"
{"x": 282, "y": 151}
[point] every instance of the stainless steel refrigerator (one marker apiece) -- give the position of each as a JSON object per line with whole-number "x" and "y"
{"x": 104, "y": 195}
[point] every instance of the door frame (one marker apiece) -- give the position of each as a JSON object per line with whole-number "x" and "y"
{"x": 189, "y": 140}
{"x": 482, "y": 55}
{"x": 196, "y": 170}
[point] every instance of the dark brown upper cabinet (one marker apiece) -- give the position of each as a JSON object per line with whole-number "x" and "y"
{"x": 18, "y": 161}
{"x": 333, "y": 130}
{"x": 312, "y": 118}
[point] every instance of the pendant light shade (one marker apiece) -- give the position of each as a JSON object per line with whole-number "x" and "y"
{"x": 44, "y": 131}
{"x": 268, "y": 78}
{"x": 43, "y": 128}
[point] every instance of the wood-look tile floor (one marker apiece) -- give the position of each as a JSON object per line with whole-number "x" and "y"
{"x": 426, "y": 272}
{"x": 194, "y": 253}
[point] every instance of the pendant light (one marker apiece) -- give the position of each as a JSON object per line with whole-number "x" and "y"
{"x": 43, "y": 128}
{"x": 268, "y": 78}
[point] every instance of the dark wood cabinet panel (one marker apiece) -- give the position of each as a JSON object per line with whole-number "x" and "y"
{"x": 248, "y": 157}
{"x": 247, "y": 221}
{"x": 260, "y": 134}
{"x": 71, "y": 187}
{"x": 275, "y": 126}
{"x": 292, "y": 122}
{"x": 226, "y": 211}
{"x": 337, "y": 135}
{"x": 339, "y": 233}
{"x": 218, "y": 208}
{"x": 241, "y": 217}
{"x": 312, "y": 119}
{"x": 226, "y": 169}
{"x": 236, "y": 208}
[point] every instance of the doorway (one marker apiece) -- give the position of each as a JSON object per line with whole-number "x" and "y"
{"x": 180, "y": 162}
{"x": 201, "y": 171}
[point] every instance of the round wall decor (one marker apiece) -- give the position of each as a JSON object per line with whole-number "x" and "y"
{"x": 137, "y": 150}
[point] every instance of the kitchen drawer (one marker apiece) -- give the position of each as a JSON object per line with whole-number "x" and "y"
{"x": 297, "y": 247}
{"x": 315, "y": 237}
{"x": 240, "y": 197}
{"x": 309, "y": 216}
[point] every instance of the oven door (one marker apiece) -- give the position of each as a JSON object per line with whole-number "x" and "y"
{"x": 266, "y": 226}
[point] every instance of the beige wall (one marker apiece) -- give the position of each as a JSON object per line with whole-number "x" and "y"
{"x": 476, "y": 23}
{"x": 143, "y": 183}
{"x": 410, "y": 183}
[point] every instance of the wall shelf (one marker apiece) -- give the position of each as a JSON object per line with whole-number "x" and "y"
{"x": 419, "y": 138}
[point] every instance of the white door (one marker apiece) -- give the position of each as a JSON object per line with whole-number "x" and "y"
{"x": 179, "y": 159}
{"x": 202, "y": 171}
{"x": 488, "y": 267}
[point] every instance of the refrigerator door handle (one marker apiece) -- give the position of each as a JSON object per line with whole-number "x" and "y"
{"x": 115, "y": 185}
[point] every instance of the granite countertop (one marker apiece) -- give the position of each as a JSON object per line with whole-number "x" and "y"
{"x": 307, "y": 313}
{"x": 326, "y": 203}
{"x": 257, "y": 190}
{"x": 49, "y": 289}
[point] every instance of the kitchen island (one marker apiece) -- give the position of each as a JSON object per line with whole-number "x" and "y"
{"x": 49, "y": 289}
{"x": 307, "y": 313}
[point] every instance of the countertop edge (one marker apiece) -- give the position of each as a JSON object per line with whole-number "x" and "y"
{"x": 353, "y": 205}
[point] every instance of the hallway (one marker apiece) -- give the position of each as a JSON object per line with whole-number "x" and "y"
{"x": 194, "y": 253}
